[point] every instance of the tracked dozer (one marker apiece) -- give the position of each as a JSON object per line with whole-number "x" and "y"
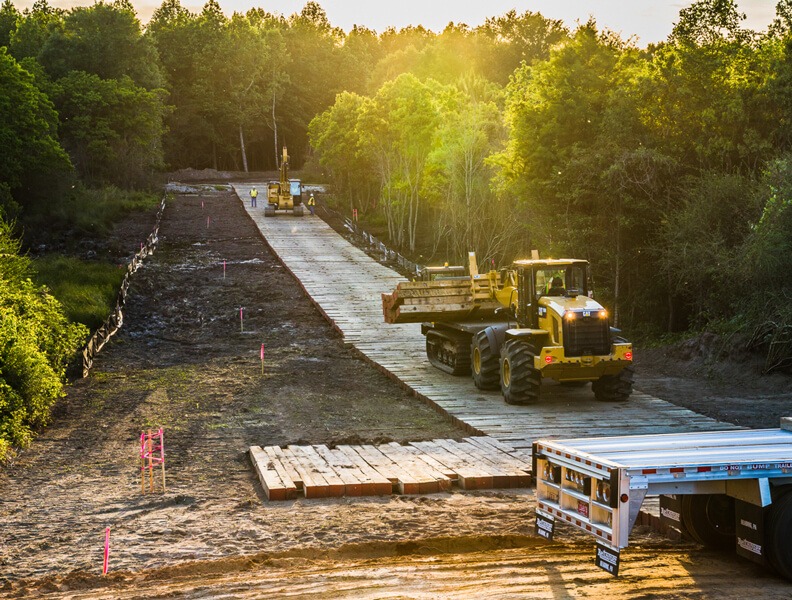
{"x": 513, "y": 327}
{"x": 285, "y": 194}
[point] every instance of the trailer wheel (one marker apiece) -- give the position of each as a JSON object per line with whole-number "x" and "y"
{"x": 484, "y": 363}
{"x": 778, "y": 532}
{"x": 520, "y": 381}
{"x": 709, "y": 519}
{"x": 614, "y": 388}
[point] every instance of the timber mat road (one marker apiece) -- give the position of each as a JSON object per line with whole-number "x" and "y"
{"x": 345, "y": 285}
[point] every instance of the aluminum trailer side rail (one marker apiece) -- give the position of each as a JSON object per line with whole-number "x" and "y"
{"x": 599, "y": 484}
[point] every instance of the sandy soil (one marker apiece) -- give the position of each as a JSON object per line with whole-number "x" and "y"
{"x": 182, "y": 362}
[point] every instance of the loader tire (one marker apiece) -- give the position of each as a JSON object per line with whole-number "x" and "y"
{"x": 269, "y": 211}
{"x": 614, "y": 388}
{"x": 519, "y": 380}
{"x": 484, "y": 363}
{"x": 778, "y": 532}
{"x": 709, "y": 520}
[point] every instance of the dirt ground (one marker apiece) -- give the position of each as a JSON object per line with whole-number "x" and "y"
{"x": 183, "y": 362}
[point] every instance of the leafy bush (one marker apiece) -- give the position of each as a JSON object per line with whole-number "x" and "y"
{"x": 36, "y": 343}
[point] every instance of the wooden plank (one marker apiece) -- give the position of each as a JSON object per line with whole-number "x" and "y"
{"x": 505, "y": 473}
{"x": 381, "y": 485}
{"x": 335, "y": 486}
{"x": 385, "y": 466}
{"x": 512, "y": 458}
{"x": 426, "y": 483}
{"x": 282, "y": 471}
{"x": 354, "y": 481}
{"x": 275, "y": 488}
{"x": 429, "y": 467}
{"x": 469, "y": 476}
{"x": 289, "y": 472}
{"x": 437, "y": 301}
{"x": 314, "y": 485}
{"x": 519, "y": 459}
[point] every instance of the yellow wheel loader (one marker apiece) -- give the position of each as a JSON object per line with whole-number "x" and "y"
{"x": 285, "y": 194}
{"x": 513, "y": 327}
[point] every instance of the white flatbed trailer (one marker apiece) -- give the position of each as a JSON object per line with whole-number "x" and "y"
{"x": 722, "y": 488}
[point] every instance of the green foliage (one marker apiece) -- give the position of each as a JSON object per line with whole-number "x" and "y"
{"x": 32, "y": 162}
{"x": 106, "y": 40}
{"x": 701, "y": 244}
{"x": 9, "y": 15}
{"x": 36, "y": 342}
{"x": 34, "y": 29}
{"x": 112, "y": 128}
{"x": 767, "y": 249}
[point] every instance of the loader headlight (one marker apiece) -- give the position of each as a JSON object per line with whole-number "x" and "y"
{"x": 569, "y": 315}
{"x": 603, "y": 314}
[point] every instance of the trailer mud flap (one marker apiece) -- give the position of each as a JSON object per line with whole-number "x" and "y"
{"x": 671, "y": 511}
{"x": 545, "y": 526}
{"x": 607, "y": 559}
{"x": 749, "y": 527}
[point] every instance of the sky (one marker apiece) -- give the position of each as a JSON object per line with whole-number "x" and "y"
{"x": 649, "y": 20}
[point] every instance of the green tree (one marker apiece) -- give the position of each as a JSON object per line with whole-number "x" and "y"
{"x": 34, "y": 29}
{"x": 397, "y": 127}
{"x": 516, "y": 38}
{"x": 336, "y": 138}
{"x": 175, "y": 33}
{"x": 112, "y": 128}
{"x": 105, "y": 39}
{"x": 468, "y": 215}
{"x": 33, "y": 164}
{"x": 313, "y": 75}
{"x": 708, "y": 22}
{"x": 9, "y": 16}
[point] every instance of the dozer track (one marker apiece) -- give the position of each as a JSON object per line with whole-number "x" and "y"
{"x": 449, "y": 352}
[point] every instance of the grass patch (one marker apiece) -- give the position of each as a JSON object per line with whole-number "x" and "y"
{"x": 86, "y": 289}
{"x": 90, "y": 212}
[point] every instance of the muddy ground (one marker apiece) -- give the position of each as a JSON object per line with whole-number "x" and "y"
{"x": 183, "y": 362}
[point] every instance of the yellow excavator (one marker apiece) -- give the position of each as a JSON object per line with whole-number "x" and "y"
{"x": 286, "y": 194}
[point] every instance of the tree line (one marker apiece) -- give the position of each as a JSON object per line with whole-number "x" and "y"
{"x": 667, "y": 166}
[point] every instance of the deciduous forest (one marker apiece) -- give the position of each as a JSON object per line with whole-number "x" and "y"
{"x": 668, "y": 166}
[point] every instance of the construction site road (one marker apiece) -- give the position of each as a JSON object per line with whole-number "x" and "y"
{"x": 345, "y": 284}
{"x": 185, "y": 362}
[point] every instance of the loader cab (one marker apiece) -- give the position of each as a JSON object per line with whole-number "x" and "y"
{"x": 569, "y": 280}
{"x": 562, "y": 278}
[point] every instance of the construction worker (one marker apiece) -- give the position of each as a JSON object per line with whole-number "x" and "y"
{"x": 253, "y": 196}
{"x": 311, "y": 204}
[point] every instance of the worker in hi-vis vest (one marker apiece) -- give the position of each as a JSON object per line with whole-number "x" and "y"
{"x": 253, "y": 196}
{"x": 311, "y": 204}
